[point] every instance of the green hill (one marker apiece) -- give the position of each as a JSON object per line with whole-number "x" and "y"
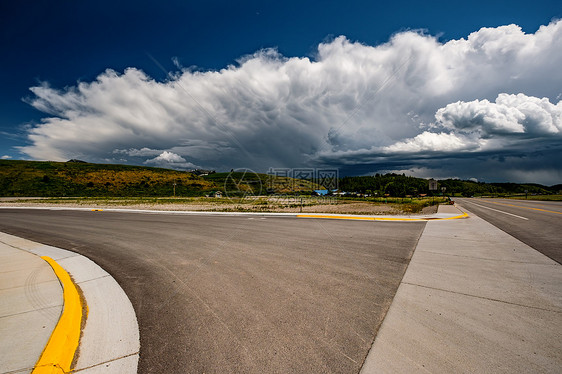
{"x": 54, "y": 179}
{"x": 81, "y": 179}
{"x": 239, "y": 182}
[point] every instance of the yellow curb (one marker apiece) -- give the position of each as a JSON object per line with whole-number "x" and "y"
{"x": 464, "y": 215}
{"x": 333, "y": 217}
{"x": 97, "y": 210}
{"x": 59, "y": 352}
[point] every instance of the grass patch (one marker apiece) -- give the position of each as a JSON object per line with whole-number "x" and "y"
{"x": 409, "y": 205}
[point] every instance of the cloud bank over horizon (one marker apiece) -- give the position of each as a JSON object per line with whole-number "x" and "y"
{"x": 485, "y": 107}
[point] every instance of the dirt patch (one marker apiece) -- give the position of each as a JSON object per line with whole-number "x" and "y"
{"x": 260, "y": 204}
{"x": 429, "y": 209}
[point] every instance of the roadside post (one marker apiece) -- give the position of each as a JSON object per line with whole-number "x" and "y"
{"x": 433, "y": 187}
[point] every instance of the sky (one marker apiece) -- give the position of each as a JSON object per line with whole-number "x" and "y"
{"x": 442, "y": 89}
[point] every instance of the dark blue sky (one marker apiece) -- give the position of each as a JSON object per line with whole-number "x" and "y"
{"x": 62, "y": 42}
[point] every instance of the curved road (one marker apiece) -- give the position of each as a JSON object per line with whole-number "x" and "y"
{"x": 536, "y": 223}
{"x": 240, "y": 294}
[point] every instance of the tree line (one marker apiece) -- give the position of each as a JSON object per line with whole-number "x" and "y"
{"x": 401, "y": 185}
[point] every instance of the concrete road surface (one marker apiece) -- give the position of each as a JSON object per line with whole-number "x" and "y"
{"x": 240, "y": 294}
{"x": 536, "y": 223}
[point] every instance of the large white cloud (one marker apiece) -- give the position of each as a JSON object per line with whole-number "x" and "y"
{"x": 170, "y": 160}
{"x": 352, "y": 104}
{"x": 509, "y": 114}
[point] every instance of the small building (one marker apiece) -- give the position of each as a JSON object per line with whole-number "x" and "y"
{"x": 321, "y": 192}
{"x": 217, "y": 194}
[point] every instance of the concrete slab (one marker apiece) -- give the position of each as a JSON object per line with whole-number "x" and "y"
{"x": 479, "y": 248}
{"x": 449, "y": 209}
{"x": 23, "y": 338}
{"x": 35, "y": 248}
{"x": 529, "y": 284}
{"x": 473, "y": 299}
{"x": 123, "y": 365}
{"x": 56, "y": 254}
{"x": 20, "y": 276}
{"x": 20, "y": 300}
{"x": 441, "y": 332}
{"x": 82, "y": 268}
{"x": 10, "y": 262}
{"x": 31, "y": 305}
{"x": 111, "y": 330}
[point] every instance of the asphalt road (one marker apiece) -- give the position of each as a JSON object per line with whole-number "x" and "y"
{"x": 219, "y": 294}
{"x": 536, "y": 223}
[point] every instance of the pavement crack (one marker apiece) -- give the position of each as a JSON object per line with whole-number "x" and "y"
{"x": 484, "y": 298}
{"x": 489, "y": 259}
{"x": 31, "y": 311}
{"x": 94, "y": 279}
{"x": 103, "y": 363}
{"x": 19, "y": 371}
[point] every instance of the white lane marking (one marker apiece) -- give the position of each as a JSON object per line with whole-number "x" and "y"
{"x": 500, "y": 211}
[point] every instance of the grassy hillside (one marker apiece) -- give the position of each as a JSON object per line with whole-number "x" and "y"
{"x": 73, "y": 179}
{"x": 238, "y": 183}
{"x": 39, "y": 178}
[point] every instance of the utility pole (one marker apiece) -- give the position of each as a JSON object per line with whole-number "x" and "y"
{"x": 175, "y": 189}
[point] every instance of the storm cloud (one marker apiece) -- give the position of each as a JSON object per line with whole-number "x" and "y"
{"x": 486, "y": 106}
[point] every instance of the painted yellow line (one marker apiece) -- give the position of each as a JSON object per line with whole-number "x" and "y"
{"x": 59, "y": 352}
{"x": 464, "y": 215}
{"x": 97, "y": 210}
{"x": 526, "y": 207}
